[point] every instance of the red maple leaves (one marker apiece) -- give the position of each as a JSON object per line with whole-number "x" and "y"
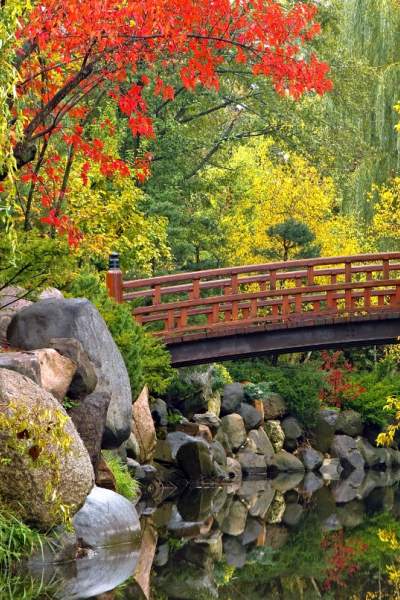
{"x": 72, "y": 50}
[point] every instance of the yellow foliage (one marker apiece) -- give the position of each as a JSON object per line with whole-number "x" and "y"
{"x": 107, "y": 214}
{"x": 385, "y": 228}
{"x": 386, "y": 437}
{"x": 264, "y": 192}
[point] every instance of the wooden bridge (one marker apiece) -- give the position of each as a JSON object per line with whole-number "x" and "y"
{"x": 280, "y": 307}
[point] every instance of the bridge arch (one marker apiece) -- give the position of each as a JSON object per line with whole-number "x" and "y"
{"x": 278, "y": 307}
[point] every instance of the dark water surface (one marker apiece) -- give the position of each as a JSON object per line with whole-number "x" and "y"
{"x": 285, "y": 539}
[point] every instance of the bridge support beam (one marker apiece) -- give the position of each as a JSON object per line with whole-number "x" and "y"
{"x": 337, "y": 333}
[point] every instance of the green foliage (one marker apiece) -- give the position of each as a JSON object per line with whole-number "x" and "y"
{"x": 298, "y": 384}
{"x": 20, "y": 587}
{"x": 220, "y": 377}
{"x": 371, "y": 403}
{"x": 145, "y": 357}
{"x": 257, "y": 391}
{"x": 125, "y": 484}
{"x": 295, "y": 241}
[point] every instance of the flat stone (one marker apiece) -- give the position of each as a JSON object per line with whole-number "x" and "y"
{"x": 143, "y": 426}
{"x": 262, "y": 444}
{"x": 209, "y": 419}
{"x": 344, "y": 447}
{"x": 311, "y": 459}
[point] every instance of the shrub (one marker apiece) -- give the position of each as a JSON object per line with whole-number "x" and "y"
{"x": 372, "y": 401}
{"x": 146, "y": 359}
{"x": 125, "y": 484}
{"x": 299, "y": 385}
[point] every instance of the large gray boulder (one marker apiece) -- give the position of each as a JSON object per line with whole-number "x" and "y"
{"x": 233, "y": 427}
{"x": 284, "y": 461}
{"x": 311, "y": 459}
{"x": 262, "y": 444}
{"x": 251, "y": 463}
{"x": 40, "y": 449}
{"x": 106, "y": 519}
{"x": 46, "y": 320}
{"x": 12, "y": 300}
{"x": 369, "y": 453}
{"x": 233, "y": 396}
{"x": 196, "y": 461}
{"x": 345, "y": 448}
{"x": 250, "y": 415}
{"x": 324, "y": 429}
{"x": 292, "y": 428}
{"x": 349, "y": 422}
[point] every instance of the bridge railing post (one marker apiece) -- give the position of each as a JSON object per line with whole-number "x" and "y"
{"x": 114, "y": 280}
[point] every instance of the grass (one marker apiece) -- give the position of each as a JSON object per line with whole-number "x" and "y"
{"x": 17, "y": 540}
{"x": 125, "y": 484}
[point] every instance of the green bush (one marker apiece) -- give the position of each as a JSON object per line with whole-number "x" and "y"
{"x": 146, "y": 358}
{"x": 125, "y": 484}
{"x": 370, "y": 403}
{"x": 298, "y": 384}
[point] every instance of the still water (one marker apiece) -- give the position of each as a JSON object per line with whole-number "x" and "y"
{"x": 283, "y": 539}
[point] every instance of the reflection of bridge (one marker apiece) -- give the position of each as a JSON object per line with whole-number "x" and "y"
{"x": 270, "y": 308}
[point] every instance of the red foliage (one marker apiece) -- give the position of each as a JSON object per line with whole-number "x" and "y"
{"x": 342, "y": 559}
{"x": 338, "y": 387}
{"x": 72, "y": 51}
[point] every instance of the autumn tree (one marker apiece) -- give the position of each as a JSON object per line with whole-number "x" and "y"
{"x": 72, "y": 55}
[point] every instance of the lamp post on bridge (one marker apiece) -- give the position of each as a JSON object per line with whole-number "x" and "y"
{"x": 114, "y": 278}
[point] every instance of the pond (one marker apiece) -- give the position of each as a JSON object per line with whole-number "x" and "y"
{"x": 287, "y": 538}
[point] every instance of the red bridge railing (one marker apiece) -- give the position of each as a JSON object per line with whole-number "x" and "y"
{"x": 222, "y": 301}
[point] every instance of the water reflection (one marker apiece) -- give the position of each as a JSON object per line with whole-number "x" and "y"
{"x": 278, "y": 539}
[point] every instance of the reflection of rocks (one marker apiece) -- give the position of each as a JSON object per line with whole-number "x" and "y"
{"x": 195, "y": 504}
{"x": 311, "y": 483}
{"x": 351, "y": 514}
{"x": 234, "y": 522}
{"x": 277, "y": 509}
{"x": 234, "y": 552}
{"x": 331, "y": 469}
{"x": 147, "y": 552}
{"x": 254, "y": 528}
{"x": 293, "y": 514}
{"x": 348, "y": 489}
{"x": 284, "y": 482}
{"x": 284, "y": 461}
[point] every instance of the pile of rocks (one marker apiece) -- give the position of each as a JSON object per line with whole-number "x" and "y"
{"x": 59, "y": 362}
{"x": 235, "y": 436}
